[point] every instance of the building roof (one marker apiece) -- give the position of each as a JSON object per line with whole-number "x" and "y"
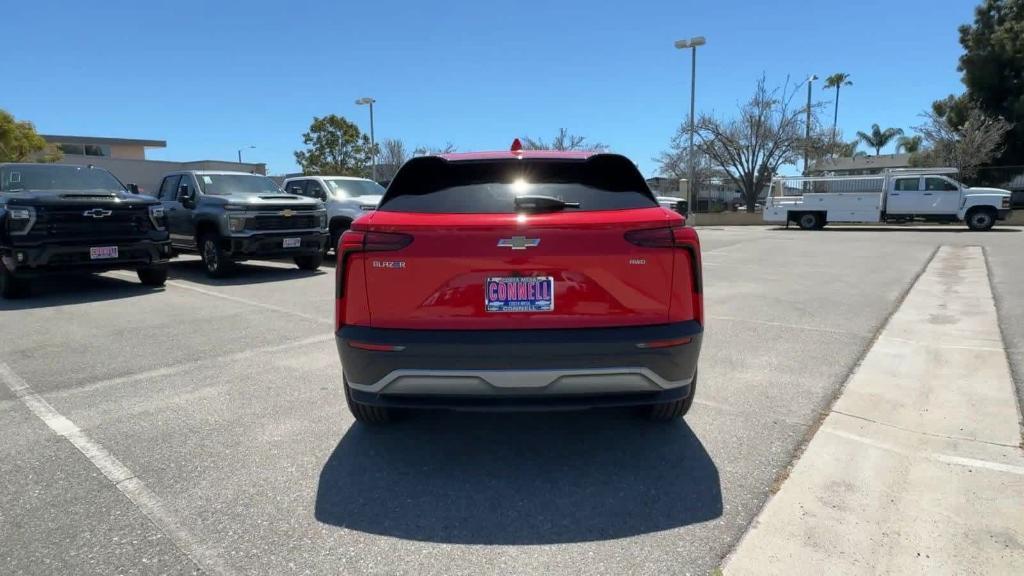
{"x": 62, "y": 139}
{"x": 880, "y": 162}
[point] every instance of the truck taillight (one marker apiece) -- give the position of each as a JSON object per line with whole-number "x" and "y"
{"x": 355, "y": 241}
{"x": 1006, "y": 202}
{"x": 681, "y": 237}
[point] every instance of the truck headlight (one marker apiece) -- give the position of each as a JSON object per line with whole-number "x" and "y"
{"x": 323, "y": 220}
{"x": 236, "y": 223}
{"x": 158, "y": 217}
{"x": 20, "y": 220}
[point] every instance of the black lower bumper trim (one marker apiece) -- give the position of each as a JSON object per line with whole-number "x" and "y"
{"x": 271, "y": 245}
{"x": 519, "y": 403}
{"x": 549, "y": 349}
{"x": 41, "y": 259}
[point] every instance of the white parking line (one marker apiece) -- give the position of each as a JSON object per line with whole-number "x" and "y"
{"x": 176, "y": 284}
{"x": 119, "y": 475}
{"x": 179, "y": 368}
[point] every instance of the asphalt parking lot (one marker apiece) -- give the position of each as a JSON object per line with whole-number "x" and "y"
{"x": 223, "y": 399}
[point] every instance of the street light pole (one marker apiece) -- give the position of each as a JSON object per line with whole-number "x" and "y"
{"x": 807, "y": 128}
{"x": 692, "y": 43}
{"x": 240, "y": 152}
{"x": 373, "y": 142}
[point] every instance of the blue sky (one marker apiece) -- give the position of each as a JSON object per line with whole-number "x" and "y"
{"x": 210, "y": 77}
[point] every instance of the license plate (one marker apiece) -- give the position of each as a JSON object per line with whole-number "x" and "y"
{"x": 103, "y": 252}
{"x": 520, "y": 294}
{"x": 292, "y": 242}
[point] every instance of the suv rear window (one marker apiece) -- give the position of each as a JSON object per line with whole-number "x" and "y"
{"x": 434, "y": 185}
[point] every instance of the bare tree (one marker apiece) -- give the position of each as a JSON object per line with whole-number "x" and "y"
{"x": 563, "y": 141}
{"x": 978, "y": 140}
{"x": 393, "y": 155}
{"x": 674, "y": 163}
{"x": 448, "y": 148}
{"x": 752, "y": 147}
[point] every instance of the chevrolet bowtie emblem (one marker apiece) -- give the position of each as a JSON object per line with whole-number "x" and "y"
{"x": 97, "y": 213}
{"x": 287, "y": 213}
{"x": 518, "y": 242}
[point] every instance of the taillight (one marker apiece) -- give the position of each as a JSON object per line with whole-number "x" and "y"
{"x": 1006, "y": 202}
{"x": 682, "y": 237}
{"x": 353, "y": 241}
{"x": 652, "y": 238}
{"x": 382, "y": 241}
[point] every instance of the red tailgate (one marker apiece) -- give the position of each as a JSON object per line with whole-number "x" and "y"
{"x": 600, "y": 278}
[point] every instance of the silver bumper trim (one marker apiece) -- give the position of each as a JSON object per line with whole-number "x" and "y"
{"x": 539, "y": 382}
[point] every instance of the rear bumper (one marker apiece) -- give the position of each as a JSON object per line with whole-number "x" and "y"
{"x": 519, "y": 369}
{"x": 272, "y": 245}
{"x": 41, "y": 259}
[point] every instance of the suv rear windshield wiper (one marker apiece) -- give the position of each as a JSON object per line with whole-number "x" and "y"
{"x": 537, "y": 203}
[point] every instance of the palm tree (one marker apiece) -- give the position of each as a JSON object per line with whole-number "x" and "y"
{"x": 837, "y": 81}
{"x": 879, "y": 138}
{"x": 909, "y": 144}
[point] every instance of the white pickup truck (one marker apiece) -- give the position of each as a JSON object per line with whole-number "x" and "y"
{"x": 899, "y": 195}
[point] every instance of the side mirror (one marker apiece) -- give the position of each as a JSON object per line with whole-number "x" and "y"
{"x": 185, "y": 196}
{"x": 134, "y": 188}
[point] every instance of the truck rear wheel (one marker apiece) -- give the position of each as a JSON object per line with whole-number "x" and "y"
{"x": 981, "y": 219}
{"x": 365, "y": 413}
{"x": 10, "y": 285}
{"x": 216, "y": 261}
{"x": 810, "y": 221}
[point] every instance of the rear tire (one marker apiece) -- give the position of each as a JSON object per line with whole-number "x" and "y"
{"x": 310, "y": 263}
{"x": 366, "y": 413}
{"x": 155, "y": 276}
{"x": 981, "y": 219}
{"x": 666, "y": 411}
{"x": 11, "y": 286}
{"x": 810, "y": 221}
{"x": 215, "y": 260}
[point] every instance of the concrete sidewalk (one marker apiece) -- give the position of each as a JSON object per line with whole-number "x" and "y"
{"x": 918, "y": 468}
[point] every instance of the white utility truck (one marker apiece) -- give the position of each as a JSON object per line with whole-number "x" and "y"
{"x": 898, "y": 195}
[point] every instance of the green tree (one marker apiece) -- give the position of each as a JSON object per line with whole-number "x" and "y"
{"x": 993, "y": 73}
{"x": 837, "y": 81}
{"x": 879, "y": 138}
{"x": 335, "y": 146}
{"x": 20, "y": 143}
{"x": 909, "y": 144}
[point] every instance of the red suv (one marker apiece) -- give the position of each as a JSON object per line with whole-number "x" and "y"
{"x": 519, "y": 280}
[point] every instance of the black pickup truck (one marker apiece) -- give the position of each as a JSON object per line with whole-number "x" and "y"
{"x": 64, "y": 218}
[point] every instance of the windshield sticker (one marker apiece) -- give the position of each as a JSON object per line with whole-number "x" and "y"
{"x": 207, "y": 180}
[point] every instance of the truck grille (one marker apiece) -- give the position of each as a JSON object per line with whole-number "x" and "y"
{"x": 276, "y": 222}
{"x": 59, "y": 223}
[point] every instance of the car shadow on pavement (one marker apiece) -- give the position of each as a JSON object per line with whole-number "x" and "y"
{"x": 250, "y": 272}
{"x": 545, "y": 478}
{"x": 68, "y": 289}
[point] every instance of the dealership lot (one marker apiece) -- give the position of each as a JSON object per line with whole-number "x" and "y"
{"x": 222, "y": 398}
